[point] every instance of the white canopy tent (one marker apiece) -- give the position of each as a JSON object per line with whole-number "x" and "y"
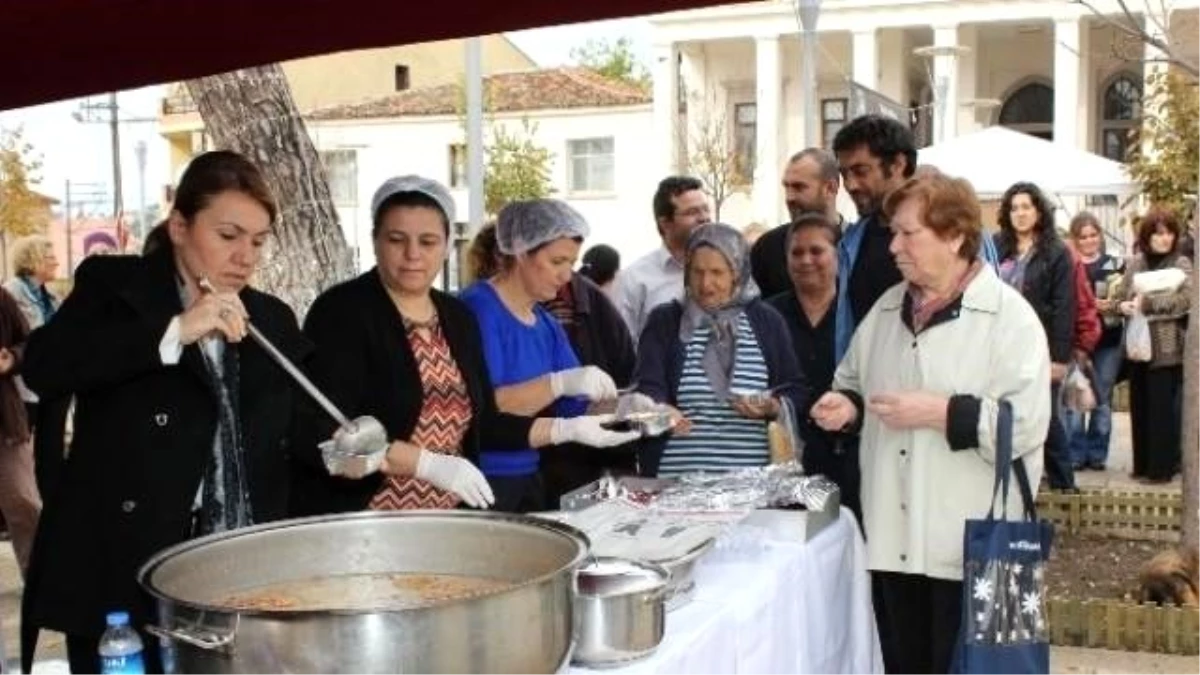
{"x": 996, "y": 157}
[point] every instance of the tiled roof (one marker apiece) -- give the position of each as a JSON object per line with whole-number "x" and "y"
{"x": 553, "y": 88}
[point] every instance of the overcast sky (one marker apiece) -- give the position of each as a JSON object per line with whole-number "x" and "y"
{"x": 80, "y": 152}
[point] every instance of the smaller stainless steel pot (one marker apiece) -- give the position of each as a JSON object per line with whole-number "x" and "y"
{"x": 620, "y": 611}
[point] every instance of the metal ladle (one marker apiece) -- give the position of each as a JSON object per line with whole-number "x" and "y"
{"x": 358, "y": 446}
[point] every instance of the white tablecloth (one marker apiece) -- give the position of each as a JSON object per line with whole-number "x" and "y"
{"x": 782, "y": 607}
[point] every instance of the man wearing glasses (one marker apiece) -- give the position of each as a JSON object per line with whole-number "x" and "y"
{"x": 680, "y": 205}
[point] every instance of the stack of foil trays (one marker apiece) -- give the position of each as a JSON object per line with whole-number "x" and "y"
{"x": 776, "y": 486}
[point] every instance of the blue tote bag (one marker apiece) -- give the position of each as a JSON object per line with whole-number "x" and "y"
{"x": 1004, "y": 626}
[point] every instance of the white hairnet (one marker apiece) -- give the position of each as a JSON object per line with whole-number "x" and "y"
{"x": 525, "y": 225}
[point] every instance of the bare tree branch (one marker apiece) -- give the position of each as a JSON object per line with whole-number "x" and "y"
{"x": 1134, "y": 29}
{"x": 712, "y": 156}
{"x": 1165, "y": 13}
{"x": 1160, "y": 19}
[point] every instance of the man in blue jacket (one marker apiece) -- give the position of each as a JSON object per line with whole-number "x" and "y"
{"x": 875, "y": 155}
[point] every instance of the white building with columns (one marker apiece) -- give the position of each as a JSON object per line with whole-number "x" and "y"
{"x": 1051, "y": 68}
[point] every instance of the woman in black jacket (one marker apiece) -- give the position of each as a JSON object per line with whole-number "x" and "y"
{"x": 180, "y": 423}
{"x": 1035, "y": 261}
{"x": 391, "y": 346}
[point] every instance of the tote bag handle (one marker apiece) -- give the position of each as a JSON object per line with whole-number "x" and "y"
{"x": 1006, "y": 465}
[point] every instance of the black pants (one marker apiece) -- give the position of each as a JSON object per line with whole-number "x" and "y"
{"x": 918, "y": 619}
{"x": 1060, "y": 472}
{"x": 1154, "y": 410}
{"x": 83, "y": 653}
{"x": 518, "y": 494}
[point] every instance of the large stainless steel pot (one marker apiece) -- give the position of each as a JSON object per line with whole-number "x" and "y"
{"x": 527, "y": 627}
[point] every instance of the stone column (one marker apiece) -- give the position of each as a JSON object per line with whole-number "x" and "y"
{"x": 665, "y": 64}
{"x": 768, "y": 88}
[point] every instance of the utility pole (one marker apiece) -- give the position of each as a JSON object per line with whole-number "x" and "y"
{"x": 90, "y": 113}
{"x": 474, "y": 71}
{"x": 114, "y": 128}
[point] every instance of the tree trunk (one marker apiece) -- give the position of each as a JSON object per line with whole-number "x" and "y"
{"x": 251, "y": 111}
{"x": 1191, "y": 425}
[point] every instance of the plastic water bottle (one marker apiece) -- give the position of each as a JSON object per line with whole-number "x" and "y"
{"x": 120, "y": 647}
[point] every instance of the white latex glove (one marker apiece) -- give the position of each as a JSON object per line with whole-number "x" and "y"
{"x": 586, "y": 430}
{"x": 457, "y": 475}
{"x": 587, "y": 381}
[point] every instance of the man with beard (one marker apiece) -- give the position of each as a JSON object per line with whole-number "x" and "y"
{"x": 875, "y": 155}
{"x": 810, "y": 185}
{"x": 680, "y": 205}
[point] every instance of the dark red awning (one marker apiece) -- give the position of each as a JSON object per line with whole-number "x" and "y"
{"x": 56, "y": 49}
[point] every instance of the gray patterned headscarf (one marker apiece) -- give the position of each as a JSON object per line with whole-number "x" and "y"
{"x": 722, "y": 342}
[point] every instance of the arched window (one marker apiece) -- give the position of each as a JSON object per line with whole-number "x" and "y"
{"x": 1120, "y": 112}
{"x": 1030, "y": 109}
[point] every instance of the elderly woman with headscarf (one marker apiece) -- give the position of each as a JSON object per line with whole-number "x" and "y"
{"x": 923, "y": 381}
{"x": 711, "y": 357}
{"x": 391, "y": 346}
{"x": 528, "y": 355}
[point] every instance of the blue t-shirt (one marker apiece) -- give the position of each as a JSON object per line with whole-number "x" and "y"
{"x": 516, "y": 353}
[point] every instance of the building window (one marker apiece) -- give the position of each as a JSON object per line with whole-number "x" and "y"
{"x": 1120, "y": 113}
{"x": 1030, "y": 109}
{"x": 458, "y": 165}
{"x": 402, "y": 81}
{"x": 833, "y": 118}
{"x": 745, "y": 139}
{"x": 341, "y": 166}
{"x": 590, "y": 165}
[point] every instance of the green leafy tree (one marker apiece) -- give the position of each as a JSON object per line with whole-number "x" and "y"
{"x": 22, "y": 210}
{"x": 516, "y": 167}
{"x": 614, "y": 60}
{"x": 1168, "y": 165}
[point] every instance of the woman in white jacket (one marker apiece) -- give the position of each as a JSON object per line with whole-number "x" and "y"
{"x": 921, "y": 382}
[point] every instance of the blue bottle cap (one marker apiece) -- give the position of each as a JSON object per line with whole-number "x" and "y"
{"x": 117, "y": 618}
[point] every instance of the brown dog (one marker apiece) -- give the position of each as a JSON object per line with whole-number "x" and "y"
{"x": 1171, "y": 578}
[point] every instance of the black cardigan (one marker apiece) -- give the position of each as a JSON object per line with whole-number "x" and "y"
{"x": 365, "y": 365}
{"x": 599, "y": 335}
{"x": 1050, "y": 289}
{"x": 661, "y": 357}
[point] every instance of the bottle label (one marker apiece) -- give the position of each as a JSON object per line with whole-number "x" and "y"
{"x": 129, "y": 664}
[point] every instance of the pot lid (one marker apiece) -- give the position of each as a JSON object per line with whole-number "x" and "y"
{"x": 602, "y": 577}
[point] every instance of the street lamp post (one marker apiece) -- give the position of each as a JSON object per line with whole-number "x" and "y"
{"x": 939, "y": 58}
{"x": 809, "y": 11}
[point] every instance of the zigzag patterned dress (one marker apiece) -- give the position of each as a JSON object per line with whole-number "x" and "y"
{"x": 442, "y": 424}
